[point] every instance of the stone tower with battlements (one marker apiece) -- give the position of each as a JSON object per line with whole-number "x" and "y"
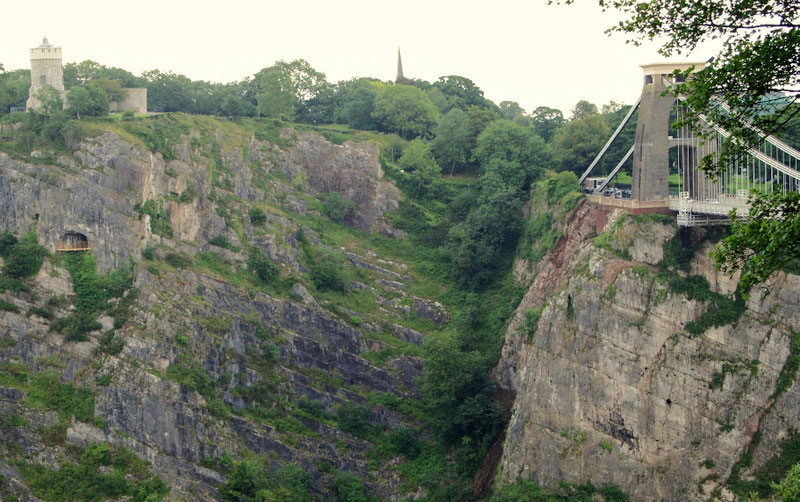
{"x": 46, "y": 69}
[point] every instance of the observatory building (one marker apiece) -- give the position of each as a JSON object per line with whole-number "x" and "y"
{"x": 46, "y": 69}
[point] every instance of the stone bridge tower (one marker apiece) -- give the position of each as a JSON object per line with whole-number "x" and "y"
{"x": 652, "y": 143}
{"x": 45, "y": 70}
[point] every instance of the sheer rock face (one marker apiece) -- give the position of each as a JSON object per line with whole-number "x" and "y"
{"x": 94, "y": 192}
{"x": 310, "y": 353}
{"x": 611, "y": 388}
{"x": 358, "y": 177}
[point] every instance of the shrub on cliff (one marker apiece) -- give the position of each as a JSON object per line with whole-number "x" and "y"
{"x": 251, "y": 481}
{"x": 327, "y": 272}
{"x": 23, "y": 258}
{"x": 257, "y": 216}
{"x": 261, "y": 265}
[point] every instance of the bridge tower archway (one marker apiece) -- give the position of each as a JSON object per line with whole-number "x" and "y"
{"x": 653, "y": 139}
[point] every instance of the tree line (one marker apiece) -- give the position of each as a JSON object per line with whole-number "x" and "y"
{"x": 451, "y": 111}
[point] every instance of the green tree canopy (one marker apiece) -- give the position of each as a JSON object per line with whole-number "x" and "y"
{"x": 462, "y": 92}
{"x": 452, "y": 142}
{"x": 275, "y": 94}
{"x": 356, "y": 103}
{"x": 510, "y": 110}
{"x": 577, "y": 143}
{"x": 405, "y": 110}
{"x": 769, "y": 241}
{"x": 112, "y": 88}
{"x": 49, "y": 100}
{"x": 424, "y": 174}
{"x": 14, "y": 86}
{"x": 583, "y": 109}
{"x": 789, "y": 487}
{"x": 286, "y": 89}
{"x": 547, "y": 121}
{"x": 86, "y": 71}
{"x": 512, "y": 142}
{"x": 167, "y": 91}
{"x": 88, "y": 100}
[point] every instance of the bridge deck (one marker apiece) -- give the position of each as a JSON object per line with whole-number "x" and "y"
{"x": 627, "y": 203}
{"x": 690, "y": 212}
{"x": 718, "y": 207}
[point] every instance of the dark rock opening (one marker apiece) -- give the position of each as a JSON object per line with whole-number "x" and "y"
{"x": 72, "y": 241}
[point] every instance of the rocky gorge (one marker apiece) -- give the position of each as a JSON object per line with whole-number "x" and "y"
{"x": 261, "y": 302}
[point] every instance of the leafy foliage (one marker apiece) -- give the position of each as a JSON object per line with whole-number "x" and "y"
{"x": 528, "y": 491}
{"x": 452, "y": 142}
{"x": 159, "y": 217}
{"x": 251, "y": 481}
{"x": 257, "y": 216}
{"x": 260, "y": 264}
{"x": 223, "y": 242}
{"x": 327, "y": 271}
{"x": 423, "y": 175}
{"x": 789, "y": 487}
{"x": 405, "y": 110}
{"x": 101, "y": 472}
{"x": 48, "y": 391}
{"x": 187, "y": 372}
{"x": 348, "y": 488}
{"x": 92, "y": 295}
{"x": 579, "y": 141}
{"x": 22, "y": 258}
{"x": 768, "y": 241}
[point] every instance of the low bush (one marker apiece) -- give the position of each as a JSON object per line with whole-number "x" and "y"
{"x": 223, "y": 242}
{"x": 48, "y": 391}
{"x": 353, "y": 419}
{"x": 257, "y": 216}
{"x": 8, "y": 306}
{"x": 23, "y": 258}
{"x": 40, "y": 312}
{"x": 260, "y": 264}
{"x": 102, "y": 472}
{"x": 177, "y": 260}
{"x": 348, "y": 488}
{"x": 110, "y": 343}
{"x": 328, "y": 272}
{"x": 251, "y": 481}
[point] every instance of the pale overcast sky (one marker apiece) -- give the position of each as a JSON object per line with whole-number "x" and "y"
{"x": 524, "y": 51}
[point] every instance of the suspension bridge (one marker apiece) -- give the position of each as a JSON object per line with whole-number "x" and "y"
{"x": 665, "y": 174}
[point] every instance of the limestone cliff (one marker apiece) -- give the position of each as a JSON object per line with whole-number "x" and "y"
{"x": 624, "y": 374}
{"x": 199, "y": 319}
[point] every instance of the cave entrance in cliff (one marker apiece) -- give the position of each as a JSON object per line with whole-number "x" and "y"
{"x": 73, "y": 241}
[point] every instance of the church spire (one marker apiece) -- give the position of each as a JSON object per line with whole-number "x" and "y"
{"x": 400, "y": 76}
